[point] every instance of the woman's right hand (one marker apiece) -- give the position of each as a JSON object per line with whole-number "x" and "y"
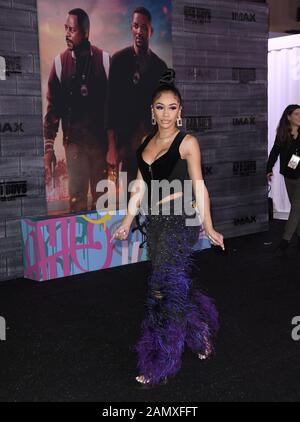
{"x": 216, "y": 238}
{"x": 269, "y": 176}
{"x": 121, "y": 232}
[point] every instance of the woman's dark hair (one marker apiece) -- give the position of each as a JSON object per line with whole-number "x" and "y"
{"x": 83, "y": 19}
{"x": 284, "y": 128}
{"x": 166, "y": 83}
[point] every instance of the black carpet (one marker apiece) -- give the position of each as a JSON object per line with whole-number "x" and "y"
{"x": 71, "y": 339}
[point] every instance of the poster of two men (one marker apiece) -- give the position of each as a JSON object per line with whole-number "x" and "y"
{"x": 100, "y": 62}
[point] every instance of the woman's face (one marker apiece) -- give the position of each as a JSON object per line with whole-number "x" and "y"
{"x": 166, "y": 109}
{"x": 294, "y": 117}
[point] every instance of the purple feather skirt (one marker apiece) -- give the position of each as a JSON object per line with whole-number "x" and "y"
{"x": 176, "y": 313}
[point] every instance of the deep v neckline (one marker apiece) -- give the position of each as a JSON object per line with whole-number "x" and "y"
{"x": 168, "y": 150}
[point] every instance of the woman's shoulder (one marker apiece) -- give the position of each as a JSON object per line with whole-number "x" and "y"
{"x": 144, "y": 138}
{"x": 189, "y": 138}
{"x": 144, "y": 141}
{"x": 190, "y": 142}
{"x": 189, "y": 145}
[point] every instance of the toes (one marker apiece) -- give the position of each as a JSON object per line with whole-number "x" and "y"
{"x": 201, "y": 357}
{"x": 142, "y": 379}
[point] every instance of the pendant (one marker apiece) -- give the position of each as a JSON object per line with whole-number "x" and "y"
{"x": 136, "y": 78}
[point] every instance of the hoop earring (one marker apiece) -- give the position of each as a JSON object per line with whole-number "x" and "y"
{"x": 179, "y": 121}
{"x": 153, "y": 119}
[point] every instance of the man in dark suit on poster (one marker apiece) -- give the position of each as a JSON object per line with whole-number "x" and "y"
{"x": 134, "y": 74}
{"x": 77, "y": 94}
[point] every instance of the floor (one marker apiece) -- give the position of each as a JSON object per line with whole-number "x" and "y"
{"x": 72, "y": 339}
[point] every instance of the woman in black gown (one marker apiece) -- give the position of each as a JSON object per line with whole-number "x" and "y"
{"x": 176, "y": 312}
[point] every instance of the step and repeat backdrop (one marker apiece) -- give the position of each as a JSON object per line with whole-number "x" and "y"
{"x": 220, "y": 55}
{"x": 219, "y": 52}
{"x": 22, "y": 185}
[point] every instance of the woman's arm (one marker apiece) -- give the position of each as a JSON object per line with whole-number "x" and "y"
{"x": 136, "y": 196}
{"x": 190, "y": 151}
{"x": 275, "y": 151}
{"x": 134, "y": 203}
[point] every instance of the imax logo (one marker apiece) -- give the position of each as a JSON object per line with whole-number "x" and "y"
{"x": 242, "y": 121}
{"x": 2, "y": 329}
{"x": 243, "y": 74}
{"x": 207, "y": 170}
{"x": 244, "y": 220}
{"x": 243, "y": 17}
{"x": 244, "y": 168}
{"x": 197, "y": 14}
{"x": 11, "y": 127}
{"x": 198, "y": 123}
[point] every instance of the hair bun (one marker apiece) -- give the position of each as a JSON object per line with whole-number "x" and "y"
{"x": 168, "y": 77}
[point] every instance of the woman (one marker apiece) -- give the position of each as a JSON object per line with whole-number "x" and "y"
{"x": 287, "y": 145}
{"x": 175, "y": 314}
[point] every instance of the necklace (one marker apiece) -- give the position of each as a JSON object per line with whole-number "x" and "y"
{"x": 167, "y": 137}
{"x": 84, "y": 74}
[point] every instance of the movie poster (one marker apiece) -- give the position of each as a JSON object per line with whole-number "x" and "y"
{"x": 99, "y": 66}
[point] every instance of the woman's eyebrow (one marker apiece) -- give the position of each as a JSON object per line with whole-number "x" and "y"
{"x": 166, "y": 104}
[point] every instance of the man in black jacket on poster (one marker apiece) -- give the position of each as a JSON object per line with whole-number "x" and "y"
{"x": 134, "y": 74}
{"x": 77, "y": 94}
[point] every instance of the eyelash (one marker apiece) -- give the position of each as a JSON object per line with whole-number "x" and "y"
{"x": 160, "y": 108}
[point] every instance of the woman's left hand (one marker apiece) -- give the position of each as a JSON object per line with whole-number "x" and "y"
{"x": 216, "y": 238}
